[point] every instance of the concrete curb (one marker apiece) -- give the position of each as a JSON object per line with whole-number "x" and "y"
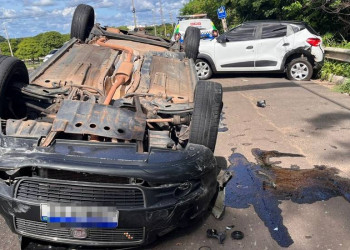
{"x": 337, "y": 80}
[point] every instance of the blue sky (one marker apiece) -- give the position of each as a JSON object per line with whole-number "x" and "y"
{"x": 25, "y": 18}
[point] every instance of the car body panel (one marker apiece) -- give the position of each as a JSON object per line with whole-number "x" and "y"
{"x": 267, "y": 55}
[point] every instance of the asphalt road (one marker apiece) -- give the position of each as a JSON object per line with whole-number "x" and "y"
{"x": 300, "y": 118}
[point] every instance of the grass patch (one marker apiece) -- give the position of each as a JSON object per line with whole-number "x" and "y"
{"x": 32, "y": 65}
{"x": 343, "y": 88}
{"x": 335, "y": 68}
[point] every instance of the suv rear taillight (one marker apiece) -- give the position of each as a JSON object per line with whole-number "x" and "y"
{"x": 314, "y": 41}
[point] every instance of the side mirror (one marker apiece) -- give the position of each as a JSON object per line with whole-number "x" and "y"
{"x": 222, "y": 39}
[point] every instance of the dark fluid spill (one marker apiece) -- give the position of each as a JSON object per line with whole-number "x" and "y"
{"x": 265, "y": 185}
{"x": 222, "y": 125}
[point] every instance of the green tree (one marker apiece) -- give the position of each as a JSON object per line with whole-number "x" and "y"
{"x": 2, "y": 39}
{"x": 29, "y": 48}
{"x": 66, "y": 37}
{"x": 4, "y": 47}
{"x": 208, "y": 7}
{"x": 323, "y": 15}
{"x": 49, "y": 40}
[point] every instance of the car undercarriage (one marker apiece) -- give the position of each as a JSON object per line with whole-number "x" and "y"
{"x": 113, "y": 119}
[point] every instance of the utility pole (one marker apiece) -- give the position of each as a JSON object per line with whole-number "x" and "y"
{"x": 161, "y": 15}
{"x": 134, "y": 12}
{"x": 154, "y": 23}
{"x": 224, "y": 24}
{"x": 171, "y": 18}
{"x": 7, "y": 37}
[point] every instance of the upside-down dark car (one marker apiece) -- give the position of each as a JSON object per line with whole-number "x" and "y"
{"x": 110, "y": 142}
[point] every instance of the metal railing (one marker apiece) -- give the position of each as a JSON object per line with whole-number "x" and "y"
{"x": 338, "y": 54}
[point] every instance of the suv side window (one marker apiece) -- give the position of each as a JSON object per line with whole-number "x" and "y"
{"x": 273, "y": 31}
{"x": 245, "y": 32}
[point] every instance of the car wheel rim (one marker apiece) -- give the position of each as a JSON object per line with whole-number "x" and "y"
{"x": 202, "y": 69}
{"x": 299, "y": 71}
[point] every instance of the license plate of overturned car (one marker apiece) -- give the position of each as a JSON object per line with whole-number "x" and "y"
{"x": 63, "y": 216}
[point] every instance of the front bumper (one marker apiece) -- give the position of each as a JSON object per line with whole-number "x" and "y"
{"x": 164, "y": 208}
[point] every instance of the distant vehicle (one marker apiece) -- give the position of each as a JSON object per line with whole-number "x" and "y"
{"x": 52, "y": 52}
{"x": 263, "y": 46}
{"x": 200, "y": 21}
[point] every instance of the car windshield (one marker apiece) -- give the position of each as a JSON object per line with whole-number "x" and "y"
{"x": 53, "y": 51}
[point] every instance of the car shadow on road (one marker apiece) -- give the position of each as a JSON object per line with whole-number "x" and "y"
{"x": 249, "y": 75}
{"x": 329, "y": 120}
{"x": 272, "y": 85}
{"x": 333, "y": 122}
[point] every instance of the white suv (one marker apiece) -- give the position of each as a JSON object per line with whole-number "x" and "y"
{"x": 263, "y": 46}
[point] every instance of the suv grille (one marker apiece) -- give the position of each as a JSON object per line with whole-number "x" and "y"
{"x": 68, "y": 192}
{"x": 118, "y": 235}
{"x": 84, "y": 177}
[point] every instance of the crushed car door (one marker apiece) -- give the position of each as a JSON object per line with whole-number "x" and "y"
{"x": 275, "y": 41}
{"x": 238, "y": 52}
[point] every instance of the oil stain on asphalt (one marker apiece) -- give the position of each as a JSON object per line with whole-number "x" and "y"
{"x": 264, "y": 185}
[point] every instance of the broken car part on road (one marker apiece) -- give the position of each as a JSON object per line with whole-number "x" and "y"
{"x": 114, "y": 120}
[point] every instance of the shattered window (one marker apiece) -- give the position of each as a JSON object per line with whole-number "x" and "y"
{"x": 273, "y": 31}
{"x": 244, "y": 32}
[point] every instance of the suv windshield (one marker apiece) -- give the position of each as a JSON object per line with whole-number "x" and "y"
{"x": 206, "y": 26}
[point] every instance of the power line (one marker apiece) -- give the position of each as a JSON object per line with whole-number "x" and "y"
{"x": 162, "y": 17}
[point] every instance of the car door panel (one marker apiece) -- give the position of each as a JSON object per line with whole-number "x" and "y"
{"x": 274, "y": 43}
{"x": 238, "y": 53}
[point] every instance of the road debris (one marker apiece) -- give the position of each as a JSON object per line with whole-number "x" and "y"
{"x": 213, "y": 233}
{"x": 261, "y": 104}
{"x": 237, "y": 235}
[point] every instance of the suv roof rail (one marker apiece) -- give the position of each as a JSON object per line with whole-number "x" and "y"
{"x": 192, "y": 16}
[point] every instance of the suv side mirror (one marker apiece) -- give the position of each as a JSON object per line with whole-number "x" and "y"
{"x": 222, "y": 39}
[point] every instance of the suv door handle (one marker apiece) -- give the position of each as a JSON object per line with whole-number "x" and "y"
{"x": 250, "y": 47}
{"x": 286, "y": 44}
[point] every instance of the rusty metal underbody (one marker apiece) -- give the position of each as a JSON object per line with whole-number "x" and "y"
{"x": 83, "y": 64}
{"x": 89, "y": 78}
{"x": 75, "y": 117}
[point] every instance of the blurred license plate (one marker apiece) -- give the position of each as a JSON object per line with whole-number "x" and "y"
{"x": 63, "y": 216}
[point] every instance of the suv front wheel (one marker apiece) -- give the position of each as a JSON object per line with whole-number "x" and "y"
{"x": 299, "y": 69}
{"x": 203, "y": 69}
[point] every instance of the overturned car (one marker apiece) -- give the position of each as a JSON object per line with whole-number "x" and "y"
{"x": 110, "y": 142}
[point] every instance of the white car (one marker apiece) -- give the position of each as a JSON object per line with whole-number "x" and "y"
{"x": 52, "y": 52}
{"x": 263, "y": 46}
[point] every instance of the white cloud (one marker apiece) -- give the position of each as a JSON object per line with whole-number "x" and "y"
{"x": 44, "y": 3}
{"x": 33, "y": 11}
{"x": 105, "y": 4}
{"x": 65, "y": 12}
{"x": 26, "y": 16}
{"x": 8, "y": 13}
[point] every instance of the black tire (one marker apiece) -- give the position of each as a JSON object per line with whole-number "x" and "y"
{"x": 204, "y": 71}
{"x": 316, "y": 74}
{"x": 82, "y": 22}
{"x": 191, "y": 42}
{"x": 206, "y": 114}
{"x": 12, "y": 70}
{"x": 302, "y": 64}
